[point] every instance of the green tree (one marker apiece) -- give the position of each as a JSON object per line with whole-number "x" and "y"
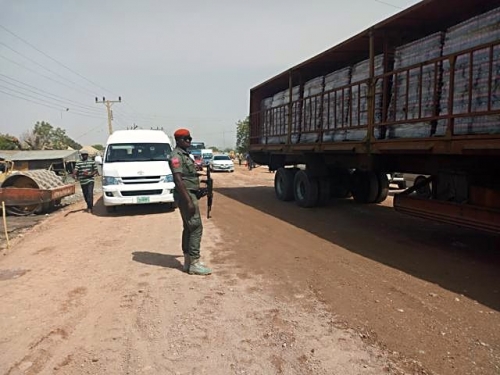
{"x": 43, "y": 136}
{"x": 9, "y": 142}
{"x": 98, "y": 147}
{"x": 243, "y": 135}
{"x": 38, "y": 137}
{"x": 58, "y": 139}
{"x": 68, "y": 142}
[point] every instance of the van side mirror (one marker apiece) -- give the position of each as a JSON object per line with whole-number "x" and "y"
{"x": 98, "y": 159}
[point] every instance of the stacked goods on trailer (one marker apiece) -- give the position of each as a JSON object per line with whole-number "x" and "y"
{"x": 473, "y": 74}
{"x": 265, "y": 119}
{"x": 279, "y": 121}
{"x": 359, "y": 98}
{"x": 296, "y": 112}
{"x": 274, "y": 116}
{"x": 415, "y": 92}
{"x": 336, "y": 105}
{"x": 311, "y": 111}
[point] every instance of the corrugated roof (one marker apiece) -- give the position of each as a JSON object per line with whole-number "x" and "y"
{"x": 67, "y": 155}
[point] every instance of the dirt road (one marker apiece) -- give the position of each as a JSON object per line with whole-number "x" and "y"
{"x": 346, "y": 289}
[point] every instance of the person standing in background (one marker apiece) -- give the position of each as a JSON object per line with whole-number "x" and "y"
{"x": 84, "y": 172}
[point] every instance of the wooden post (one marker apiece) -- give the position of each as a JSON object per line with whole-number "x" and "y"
{"x": 5, "y": 224}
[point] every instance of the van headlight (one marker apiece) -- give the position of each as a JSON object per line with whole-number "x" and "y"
{"x": 109, "y": 181}
{"x": 169, "y": 178}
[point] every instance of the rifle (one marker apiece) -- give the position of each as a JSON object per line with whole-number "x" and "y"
{"x": 209, "y": 191}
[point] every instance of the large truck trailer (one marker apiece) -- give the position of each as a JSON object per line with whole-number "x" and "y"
{"x": 416, "y": 93}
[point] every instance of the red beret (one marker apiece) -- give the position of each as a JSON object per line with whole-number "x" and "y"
{"x": 181, "y": 133}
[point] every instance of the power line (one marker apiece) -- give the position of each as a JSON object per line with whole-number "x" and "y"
{"x": 58, "y": 98}
{"x": 56, "y": 61}
{"x": 47, "y": 69}
{"x": 121, "y": 117}
{"x": 126, "y": 117}
{"x": 90, "y": 131}
{"x": 38, "y": 73}
{"x": 391, "y": 5}
{"x": 28, "y": 100}
{"x": 85, "y": 115}
{"x": 134, "y": 115}
{"x": 176, "y": 118}
{"x": 44, "y": 103}
{"x": 42, "y": 100}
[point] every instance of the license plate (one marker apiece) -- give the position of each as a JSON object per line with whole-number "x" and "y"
{"x": 142, "y": 199}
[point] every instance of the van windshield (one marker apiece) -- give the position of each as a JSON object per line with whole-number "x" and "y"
{"x": 133, "y": 152}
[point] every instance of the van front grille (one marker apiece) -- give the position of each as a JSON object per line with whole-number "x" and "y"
{"x": 136, "y": 193}
{"x": 141, "y": 180}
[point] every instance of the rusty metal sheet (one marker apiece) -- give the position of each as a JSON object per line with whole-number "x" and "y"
{"x": 24, "y": 196}
{"x": 62, "y": 191}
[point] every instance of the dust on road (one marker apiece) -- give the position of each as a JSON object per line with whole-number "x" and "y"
{"x": 345, "y": 289}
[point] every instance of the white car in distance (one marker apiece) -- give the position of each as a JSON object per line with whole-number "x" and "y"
{"x": 221, "y": 163}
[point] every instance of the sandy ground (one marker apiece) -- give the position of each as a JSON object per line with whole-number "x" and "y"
{"x": 345, "y": 289}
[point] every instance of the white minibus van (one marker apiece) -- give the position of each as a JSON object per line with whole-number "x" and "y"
{"x": 135, "y": 169}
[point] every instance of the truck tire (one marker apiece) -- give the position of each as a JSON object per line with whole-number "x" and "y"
{"x": 283, "y": 184}
{"x": 324, "y": 193}
{"x": 365, "y": 186}
{"x": 305, "y": 189}
{"x": 340, "y": 184}
{"x": 383, "y": 187}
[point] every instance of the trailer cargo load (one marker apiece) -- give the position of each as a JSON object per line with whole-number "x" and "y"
{"x": 416, "y": 93}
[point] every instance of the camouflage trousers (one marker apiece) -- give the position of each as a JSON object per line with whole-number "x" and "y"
{"x": 192, "y": 227}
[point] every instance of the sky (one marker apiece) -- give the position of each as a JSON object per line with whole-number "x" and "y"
{"x": 175, "y": 64}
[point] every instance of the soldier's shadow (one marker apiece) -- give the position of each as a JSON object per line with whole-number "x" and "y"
{"x": 157, "y": 259}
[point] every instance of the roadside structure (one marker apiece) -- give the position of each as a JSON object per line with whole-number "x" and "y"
{"x": 59, "y": 161}
{"x": 93, "y": 152}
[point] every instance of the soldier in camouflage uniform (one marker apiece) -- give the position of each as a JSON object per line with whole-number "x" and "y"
{"x": 84, "y": 172}
{"x": 187, "y": 187}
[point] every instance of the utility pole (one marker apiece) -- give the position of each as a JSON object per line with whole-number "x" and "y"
{"x": 109, "y": 104}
